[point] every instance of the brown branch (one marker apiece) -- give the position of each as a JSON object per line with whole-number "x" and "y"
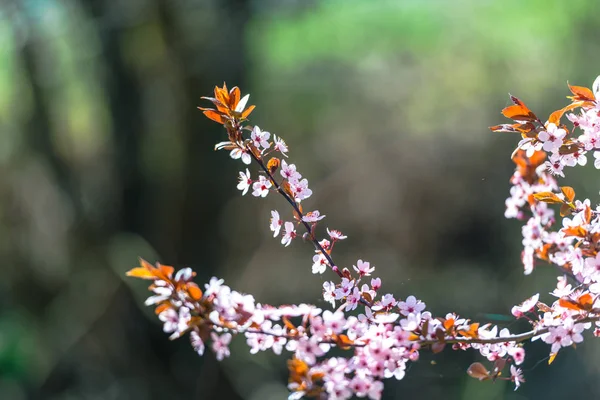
{"x": 517, "y": 338}
{"x": 294, "y": 205}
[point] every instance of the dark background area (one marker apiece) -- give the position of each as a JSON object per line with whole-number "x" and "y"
{"x": 385, "y": 106}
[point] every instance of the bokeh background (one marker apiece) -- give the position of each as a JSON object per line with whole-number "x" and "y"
{"x": 385, "y": 106}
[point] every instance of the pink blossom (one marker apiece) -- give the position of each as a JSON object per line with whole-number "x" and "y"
{"x": 238, "y": 153}
{"x": 312, "y": 216}
{"x": 592, "y": 268}
{"x": 518, "y": 354}
{"x": 260, "y": 138}
{"x": 597, "y": 159}
{"x": 162, "y": 290}
{"x": 213, "y": 286}
{"x": 175, "y": 322}
{"x": 552, "y": 137}
{"x": 170, "y": 319}
{"x": 335, "y": 235}
{"x": 401, "y": 337}
{"x": 288, "y": 171}
{"x": 525, "y": 306}
{"x": 300, "y": 189}
{"x": 184, "y": 275}
{"x": 411, "y": 322}
{"x": 530, "y": 146}
{"x": 290, "y": 234}
{"x": 309, "y": 349}
{"x": 275, "y": 223}
{"x": 344, "y": 289}
{"x": 411, "y": 305}
{"x": 259, "y": 341}
{"x": 363, "y": 268}
{"x": 575, "y": 158}
{"x": 388, "y": 300}
{"x": 197, "y": 343}
{"x": 562, "y": 287}
{"x": 245, "y": 181}
{"x": 558, "y": 337}
{"x": 574, "y": 330}
{"x": 220, "y": 345}
{"x": 375, "y": 284}
{"x": 261, "y": 187}
{"x": 527, "y": 257}
{"x": 280, "y": 145}
{"x": 353, "y": 299}
{"x": 555, "y": 165}
{"x": 516, "y": 375}
{"x": 319, "y": 263}
{"x": 375, "y": 390}
{"x": 328, "y": 292}
{"x": 325, "y": 244}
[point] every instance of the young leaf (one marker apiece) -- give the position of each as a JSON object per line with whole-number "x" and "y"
{"x": 141, "y": 272}
{"x": 215, "y": 116}
{"x": 581, "y": 93}
{"x": 548, "y": 197}
{"x": 478, "y": 371}
{"x": 568, "y": 192}
{"x": 519, "y": 111}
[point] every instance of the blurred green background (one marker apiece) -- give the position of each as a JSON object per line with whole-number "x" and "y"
{"x": 385, "y": 106}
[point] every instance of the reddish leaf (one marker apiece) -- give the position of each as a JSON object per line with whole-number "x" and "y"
{"x": 162, "y": 307}
{"x": 449, "y": 323}
{"x": 499, "y": 366}
{"x": 234, "y": 97}
{"x": 581, "y": 93}
{"x": 298, "y": 370}
{"x": 247, "y": 112}
{"x": 510, "y": 128}
{"x": 165, "y": 270}
{"x": 519, "y": 111}
{"x": 215, "y": 116}
{"x": 438, "y": 347}
{"x": 478, "y": 371}
{"x": 576, "y": 231}
{"x": 583, "y": 303}
{"x": 142, "y": 273}
{"x": 194, "y": 291}
{"x": 222, "y": 94}
{"x": 557, "y": 115}
{"x": 288, "y": 324}
{"x": 528, "y": 165}
{"x": 472, "y": 332}
{"x": 548, "y": 197}
{"x": 343, "y": 342}
{"x": 273, "y": 165}
{"x": 587, "y": 214}
{"x": 568, "y": 148}
{"x": 568, "y": 192}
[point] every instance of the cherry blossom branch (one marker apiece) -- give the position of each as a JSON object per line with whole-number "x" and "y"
{"x": 294, "y": 205}
{"x": 517, "y": 338}
{"x": 391, "y": 333}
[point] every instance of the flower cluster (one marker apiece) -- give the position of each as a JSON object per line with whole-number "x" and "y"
{"x": 380, "y": 333}
{"x": 573, "y": 246}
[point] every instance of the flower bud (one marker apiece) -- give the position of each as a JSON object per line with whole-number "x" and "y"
{"x": 273, "y": 165}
